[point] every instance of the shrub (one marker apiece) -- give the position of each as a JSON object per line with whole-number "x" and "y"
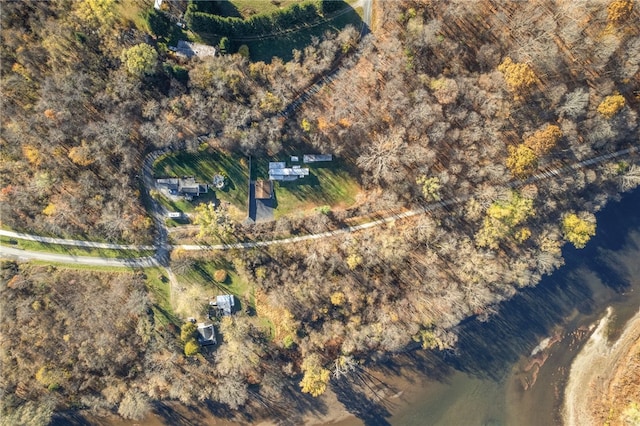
{"x": 244, "y": 51}
{"x": 191, "y": 348}
{"x": 188, "y": 331}
{"x": 220, "y": 275}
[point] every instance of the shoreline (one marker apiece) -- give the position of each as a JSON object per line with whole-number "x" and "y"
{"x": 594, "y": 369}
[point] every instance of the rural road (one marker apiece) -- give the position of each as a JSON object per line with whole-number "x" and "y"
{"x": 163, "y": 248}
{"x": 367, "y": 7}
{"x": 25, "y": 255}
{"x": 77, "y": 243}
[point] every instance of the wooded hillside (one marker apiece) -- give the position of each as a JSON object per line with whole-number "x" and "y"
{"x": 462, "y": 102}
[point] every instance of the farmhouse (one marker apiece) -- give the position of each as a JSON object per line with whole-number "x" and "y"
{"x": 186, "y": 187}
{"x": 280, "y": 171}
{"x": 224, "y": 303}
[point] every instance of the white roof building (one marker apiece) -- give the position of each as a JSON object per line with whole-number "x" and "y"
{"x": 314, "y": 158}
{"x": 206, "y": 334}
{"x": 279, "y": 171}
{"x": 224, "y": 303}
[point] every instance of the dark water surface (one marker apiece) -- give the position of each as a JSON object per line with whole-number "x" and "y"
{"x": 496, "y": 376}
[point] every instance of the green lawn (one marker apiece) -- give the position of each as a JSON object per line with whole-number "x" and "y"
{"x": 202, "y": 272}
{"x": 132, "y": 11}
{"x": 159, "y": 290}
{"x": 247, "y": 8}
{"x": 72, "y": 250}
{"x": 282, "y": 45}
{"x": 203, "y": 165}
{"x": 328, "y": 184}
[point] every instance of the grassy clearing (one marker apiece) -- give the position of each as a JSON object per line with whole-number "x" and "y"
{"x": 328, "y": 184}
{"x": 159, "y": 290}
{"x": 73, "y": 250}
{"x": 79, "y": 267}
{"x": 247, "y": 8}
{"x": 204, "y": 165}
{"x": 132, "y": 11}
{"x": 198, "y": 287}
{"x": 283, "y": 45}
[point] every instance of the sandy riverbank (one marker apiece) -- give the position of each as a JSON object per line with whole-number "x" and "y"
{"x": 604, "y": 376}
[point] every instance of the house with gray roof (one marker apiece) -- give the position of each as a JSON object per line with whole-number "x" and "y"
{"x": 186, "y": 187}
{"x": 225, "y": 304}
{"x": 206, "y": 334}
{"x": 189, "y": 49}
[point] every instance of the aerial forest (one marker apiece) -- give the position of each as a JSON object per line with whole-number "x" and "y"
{"x": 485, "y": 114}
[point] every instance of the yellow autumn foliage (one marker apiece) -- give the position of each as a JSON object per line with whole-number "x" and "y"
{"x": 32, "y": 155}
{"x": 611, "y": 105}
{"x": 522, "y": 160}
{"x": 577, "y": 230}
{"x": 543, "y": 141}
{"x": 619, "y": 10}
{"x": 316, "y": 378}
{"x": 49, "y": 210}
{"x": 519, "y": 76}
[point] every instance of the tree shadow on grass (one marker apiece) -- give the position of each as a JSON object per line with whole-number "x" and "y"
{"x": 203, "y": 273}
{"x": 219, "y": 7}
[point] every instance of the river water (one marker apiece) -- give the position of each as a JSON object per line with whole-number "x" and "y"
{"x": 501, "y": 374}
{"x": 511, "y": 370}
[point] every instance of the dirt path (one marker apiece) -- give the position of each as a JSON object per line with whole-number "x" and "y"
{"x": 593, "y": 370}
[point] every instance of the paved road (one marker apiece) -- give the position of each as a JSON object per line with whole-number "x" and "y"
{"x": 546, "y": 174}
{"x": 77, "y": 243}
{"x": 367, "y": 7}
{"x": 163, "y": 249}
{"x": 18, "y": 254}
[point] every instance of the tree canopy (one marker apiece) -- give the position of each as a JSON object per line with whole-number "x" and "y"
{"x": 578, "y": 230}
{"x": 140, "y": 60}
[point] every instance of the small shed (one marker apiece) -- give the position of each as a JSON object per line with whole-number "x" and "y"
{"x": 264, "y": 189}
{"x": 314, "y": 158}
{"x": 206, "y": 334}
